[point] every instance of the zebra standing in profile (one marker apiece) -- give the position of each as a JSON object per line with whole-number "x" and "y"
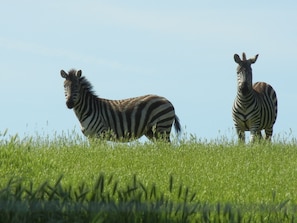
{"x": 255, "y": 106}
{"x": 127, "y": 119}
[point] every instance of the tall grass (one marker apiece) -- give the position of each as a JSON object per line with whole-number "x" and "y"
{"x": 69, "y": 179}
{"x": 134, "y": 203}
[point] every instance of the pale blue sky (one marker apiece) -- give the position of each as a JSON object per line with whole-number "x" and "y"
{"x": 182, "y": 50}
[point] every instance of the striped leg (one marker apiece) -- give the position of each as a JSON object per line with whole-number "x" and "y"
{"x": 156, "y": 136}
{"x": 241, "y": 135}
{"x": 268, "y": 133}
{"x": 255, "y": 135}
{"x": 157, "y": 133}
{"x": 259, "y": 135}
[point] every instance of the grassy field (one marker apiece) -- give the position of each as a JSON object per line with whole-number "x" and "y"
{"x": 194, "y": 181}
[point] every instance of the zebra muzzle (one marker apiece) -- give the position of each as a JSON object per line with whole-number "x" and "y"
{"x": 70, "y": 104}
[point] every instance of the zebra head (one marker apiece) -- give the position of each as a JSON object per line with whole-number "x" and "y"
{"x": 71, "y": 86}
{"x": 244, "y": 73}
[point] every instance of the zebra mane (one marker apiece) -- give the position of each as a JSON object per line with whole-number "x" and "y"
{"x": 85, "y": 84}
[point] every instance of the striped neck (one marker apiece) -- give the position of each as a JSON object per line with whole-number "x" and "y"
{"x": 85, "y": 103}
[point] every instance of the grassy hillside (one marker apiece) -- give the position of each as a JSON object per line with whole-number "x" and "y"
{"x": 253, "y": 178}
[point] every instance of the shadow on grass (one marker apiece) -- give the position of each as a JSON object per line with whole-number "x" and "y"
{"x": 135, "y": 202}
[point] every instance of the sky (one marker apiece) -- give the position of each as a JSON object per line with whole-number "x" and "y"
{"x": 182, "y": 50}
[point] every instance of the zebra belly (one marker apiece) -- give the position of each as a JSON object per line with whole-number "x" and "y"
{"x": 90, "y": 127}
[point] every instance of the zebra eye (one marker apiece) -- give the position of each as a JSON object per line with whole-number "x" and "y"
{"x": 66, "y": 86}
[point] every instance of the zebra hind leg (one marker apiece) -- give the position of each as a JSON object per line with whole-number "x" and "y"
{"x": 163, "y": 133}
{"x": 157, "y": 134}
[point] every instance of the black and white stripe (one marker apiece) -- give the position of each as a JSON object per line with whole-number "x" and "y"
{"x": 127, "y": 119}
{"x": 255, "y": 106}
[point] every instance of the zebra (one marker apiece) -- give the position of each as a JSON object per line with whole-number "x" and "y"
{"x": 118, "y": 120}
{"x": 255, "y": 106}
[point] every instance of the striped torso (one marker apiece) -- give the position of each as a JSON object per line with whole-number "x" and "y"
{"x": 258, "y": 108}
{"x": 125, "y": 118}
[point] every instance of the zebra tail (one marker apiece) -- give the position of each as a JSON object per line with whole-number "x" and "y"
{"x": 177, "y": 124}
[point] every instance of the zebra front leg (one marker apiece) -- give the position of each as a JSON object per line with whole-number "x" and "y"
{"x": 241, "y": 135}
{"x": 255, "y": 135}
{"x": 259, "y": 135}
{"x": 268, "y": 134}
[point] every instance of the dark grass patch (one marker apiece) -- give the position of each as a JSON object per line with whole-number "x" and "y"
{"x": 105, "y": 201}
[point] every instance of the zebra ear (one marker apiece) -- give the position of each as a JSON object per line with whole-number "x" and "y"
{"x": 78, "y": 73}
{"x": 254, "y": 59}
{"x": 237, "y": 59}
{"x": 63, "y": 74}
{"x": 243, "y": 56}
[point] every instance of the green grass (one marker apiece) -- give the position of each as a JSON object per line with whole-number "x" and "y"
{"x": 218, "y": 181}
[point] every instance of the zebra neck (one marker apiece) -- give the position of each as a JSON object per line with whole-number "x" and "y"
{"x": 87, "y": 103}
{"x": 245, "y": 97}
